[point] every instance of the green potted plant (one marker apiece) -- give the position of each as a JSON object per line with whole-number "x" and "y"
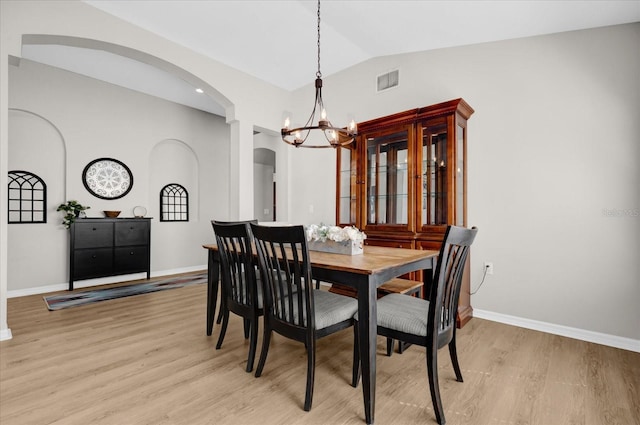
{"x": 72, "y": 210}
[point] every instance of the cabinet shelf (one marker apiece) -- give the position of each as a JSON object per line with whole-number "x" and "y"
{"x": 395, "y": 196}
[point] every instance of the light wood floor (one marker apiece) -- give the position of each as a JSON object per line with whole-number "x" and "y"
{"x": 147, "y": 360}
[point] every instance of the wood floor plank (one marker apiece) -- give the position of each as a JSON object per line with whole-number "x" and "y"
{"x": 147, "y": 360}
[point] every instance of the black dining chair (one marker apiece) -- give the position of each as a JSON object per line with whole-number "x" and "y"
{"x": 293, "y": 307}
{"x": 241, "y": 293}
{"x": 430, "y": 324}
{"x": 220, "y": 312}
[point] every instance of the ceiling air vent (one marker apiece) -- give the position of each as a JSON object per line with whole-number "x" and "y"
{"x": 388, "y": 80}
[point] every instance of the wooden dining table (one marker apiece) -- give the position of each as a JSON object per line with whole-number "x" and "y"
{"x": 364, "y": 272}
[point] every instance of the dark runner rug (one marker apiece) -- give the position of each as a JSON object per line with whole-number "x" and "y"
{"x": 73, "y": 299}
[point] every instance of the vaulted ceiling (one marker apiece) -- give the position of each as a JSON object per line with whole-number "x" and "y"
{"x": 276, "y": 40}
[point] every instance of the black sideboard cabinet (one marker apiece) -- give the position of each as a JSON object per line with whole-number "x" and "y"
{"x": 103, "y": 247}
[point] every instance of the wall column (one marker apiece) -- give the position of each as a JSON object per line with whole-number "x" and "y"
{"x": 241, "y": 171}
{"x": 5, "y": 332}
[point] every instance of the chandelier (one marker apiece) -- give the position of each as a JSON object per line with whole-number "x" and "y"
{"x": 335, "y": 136}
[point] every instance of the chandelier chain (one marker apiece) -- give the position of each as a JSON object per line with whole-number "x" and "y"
{"x": 319, "y": 74}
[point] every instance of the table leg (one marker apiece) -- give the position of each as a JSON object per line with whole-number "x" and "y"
{"x": 367, "y": 332}
{"x": 213, "y": 277}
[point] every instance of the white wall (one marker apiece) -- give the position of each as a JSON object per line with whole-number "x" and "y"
{"x": 553, "y": 167}
{"x": 80, "y": 119}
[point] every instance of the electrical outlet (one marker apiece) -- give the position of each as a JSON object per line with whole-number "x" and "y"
{"x": 488, "y": 267}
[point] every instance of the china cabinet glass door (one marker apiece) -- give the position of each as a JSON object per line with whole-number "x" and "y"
{"x": 434, "y": 172}
{"x": 347, "y": 186}
{"x": 442, "y": 172}
{"x": 388, "y": 178}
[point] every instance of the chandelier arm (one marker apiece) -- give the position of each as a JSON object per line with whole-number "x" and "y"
{"x": 311, "y": 118}
{"x": 317, "y": 102}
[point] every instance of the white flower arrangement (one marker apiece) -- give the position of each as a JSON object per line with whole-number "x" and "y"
{"x": 322, "y": 233}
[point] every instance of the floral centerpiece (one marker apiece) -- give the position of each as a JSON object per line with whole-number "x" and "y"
{"x": 340, "y": 240}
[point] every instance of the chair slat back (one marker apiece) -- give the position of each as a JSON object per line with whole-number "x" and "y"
{"x": 443, "y": 307}
{"x": 286, "y": 275}
{"x": 237, "y": 263}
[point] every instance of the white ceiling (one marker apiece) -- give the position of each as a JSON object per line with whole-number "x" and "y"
{"x": 275, "y": 40}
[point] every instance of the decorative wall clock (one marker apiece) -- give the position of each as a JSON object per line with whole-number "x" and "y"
{"x": 107, "y": 178}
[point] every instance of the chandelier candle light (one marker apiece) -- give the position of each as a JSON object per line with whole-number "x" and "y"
{"x": 335, "y": 136}
{"x": 338, "y": 240}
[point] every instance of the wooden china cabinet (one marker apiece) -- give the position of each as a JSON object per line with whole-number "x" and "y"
{"x": 404, "y": 180}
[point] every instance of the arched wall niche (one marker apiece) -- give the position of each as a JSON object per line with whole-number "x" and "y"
{"x": 174, "y": 161}
{"x": 37, "y": 145}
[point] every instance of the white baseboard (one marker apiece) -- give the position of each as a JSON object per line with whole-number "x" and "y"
{"x": 100, "y": 281}
{"x": 575, "y": 333}
{"x": 5, "y": 334}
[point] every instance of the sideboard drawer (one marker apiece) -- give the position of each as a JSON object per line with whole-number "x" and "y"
{"x": 90, "y": 263}
{"x": 131, "y": 259}
{"x": 132, "y": 232}
{"x": 93, "y": 235}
